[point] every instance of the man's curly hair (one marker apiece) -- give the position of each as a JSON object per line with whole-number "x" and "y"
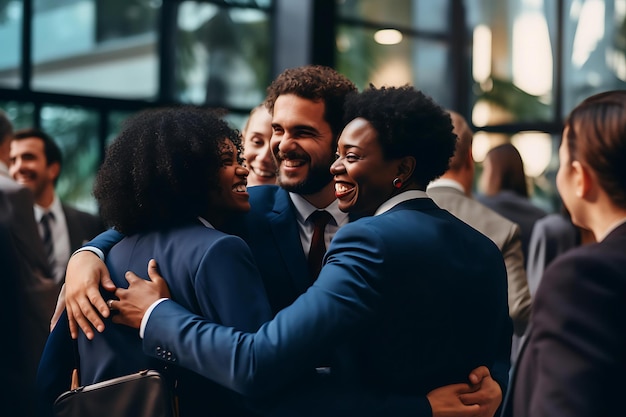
{"x": 158, "y": 172}
{"x": 408, "y": 123}
{"x": 316, "y": 83}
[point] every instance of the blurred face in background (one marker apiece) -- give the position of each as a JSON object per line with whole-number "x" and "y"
{"x": 256, "y": 145}
{"x": 29, "y": 166}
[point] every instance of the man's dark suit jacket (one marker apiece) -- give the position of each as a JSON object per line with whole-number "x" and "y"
{"x": 574, "y": 359}
{"x": 271, "y": 230}
{"x": 81, "y": 226}
{"x": 207, "y": 271}
{"x": 12, "y": 394}
{"x": 396, "y": 287}
{"x": 517, "y": 209}
{"x": 37, "y": 291}
{"x": 552, "y": 235}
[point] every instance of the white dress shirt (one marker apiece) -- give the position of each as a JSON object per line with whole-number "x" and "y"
{"x": 305, "y": 227}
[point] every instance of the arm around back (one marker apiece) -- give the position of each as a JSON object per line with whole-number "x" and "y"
{"x": 85, "y": 273}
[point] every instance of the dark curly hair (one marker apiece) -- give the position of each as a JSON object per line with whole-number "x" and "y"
{"x": 158, "y": 172}
{"x": 314, "y": 82}
{"x": 408, "y": 123}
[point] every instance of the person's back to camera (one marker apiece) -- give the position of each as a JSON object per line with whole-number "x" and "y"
{"x": 168, "y": 182}
{"x": 504, "y": 189}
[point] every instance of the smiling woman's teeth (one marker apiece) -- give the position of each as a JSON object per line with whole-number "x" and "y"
{"x": 241, "y": 188}
{"x": 341, "y": 188}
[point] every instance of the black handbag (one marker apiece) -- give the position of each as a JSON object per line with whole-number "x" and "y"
{"x": 147, "y": 393}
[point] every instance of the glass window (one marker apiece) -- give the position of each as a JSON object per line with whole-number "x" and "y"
{"x": 423, "y": 14}
{"x": 223, "y": 55}
{"x": 236, "y": 120}
{"x": 21, "y": 114}
{"x": 73, "y": 53}
{"x": 115, "y": 121}
{"x": 75, "y": 130}
{"x": 122, "y": 19}
{"x": 513, "y": 60}
{"x": 10, "y": 33}
{"x": 415, "y": 61}
{"x": 364, "y": 61}
{"x": 594, "y": 50}
{"x": 433, "y": 72}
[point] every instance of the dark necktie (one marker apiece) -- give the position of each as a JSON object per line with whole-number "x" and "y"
{"x": 320, "y": 219}
{"x": 48, "y": 242}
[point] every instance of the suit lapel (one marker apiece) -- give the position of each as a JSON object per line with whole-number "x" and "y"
{"x": 286, "y": 234}
{"x": 72, "y": 228}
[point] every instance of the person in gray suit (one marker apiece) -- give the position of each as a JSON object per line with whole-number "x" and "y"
{"x": 453, "y": 192}
{"x": 35, "y": 290}
{"x": 36, "y": 162}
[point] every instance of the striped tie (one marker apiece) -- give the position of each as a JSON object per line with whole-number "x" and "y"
{"x": 48, "y": 242}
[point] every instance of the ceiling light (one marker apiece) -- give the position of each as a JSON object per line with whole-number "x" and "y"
{"x": 388, "y": 36}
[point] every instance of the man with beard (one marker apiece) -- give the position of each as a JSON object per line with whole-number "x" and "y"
{"x": 306, "y": 104}
{"x": 307, "y": 108}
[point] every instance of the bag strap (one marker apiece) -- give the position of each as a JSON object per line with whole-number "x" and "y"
{"x": 75, "y": 381}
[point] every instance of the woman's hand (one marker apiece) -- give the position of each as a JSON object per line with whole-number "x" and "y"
{"x": 85, "y": 306}
{"x": 133, "y": 302}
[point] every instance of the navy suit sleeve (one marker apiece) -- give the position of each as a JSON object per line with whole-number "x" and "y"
{"x": 344, "y": 296}
{"x": 229, "y": 287}
{"x": 258, "y": 364}
{"x": 105, "y": 240}
{"x": 55, "y": 367}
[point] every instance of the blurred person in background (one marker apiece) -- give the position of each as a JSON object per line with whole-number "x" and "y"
{"x": 574, "y": 358}
{"x": 36, "y": 163}
{"x": 28, "y": 285}
{"x": 453, "y": 192}
{"x": 256, "y": 147}
{"x": 551, "y": 236}
{"x": 505, "y": 191}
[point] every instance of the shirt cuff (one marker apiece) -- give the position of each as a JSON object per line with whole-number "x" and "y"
{"x": 91, "y": 249}
{"x": 146, "y": 316}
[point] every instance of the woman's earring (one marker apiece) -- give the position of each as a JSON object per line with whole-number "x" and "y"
{"x": 397, "y": 182}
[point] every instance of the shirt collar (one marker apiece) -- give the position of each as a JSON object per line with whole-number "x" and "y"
{"x": 446, "y": 182}
{"x": 205, "y": 222}
{"x": 611, "y": 228}
{"x": 304, "y": 209}
{"x": 400, "y": 198}
{"x": 55, "y": 208}
{"x": 4, "y": 170}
